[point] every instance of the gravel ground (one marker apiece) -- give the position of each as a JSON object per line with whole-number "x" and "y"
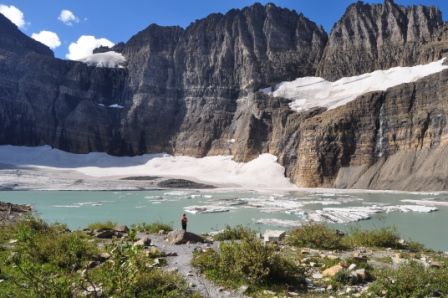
{"x": 182, "y": 264}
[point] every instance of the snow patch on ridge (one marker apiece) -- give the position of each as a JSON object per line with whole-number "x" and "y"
{"x": 109, "y": 59}
{"x": 311, "y": 92}
{"x": 263, "y": 172}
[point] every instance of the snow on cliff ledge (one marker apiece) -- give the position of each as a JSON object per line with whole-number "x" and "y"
{"x": 109, "y": 59}
{"x": 262, "y": 172}
{"x": 310, "y": 92}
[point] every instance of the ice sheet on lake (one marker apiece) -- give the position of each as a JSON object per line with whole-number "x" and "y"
{"x": 426, "y": 202}
{"x": 278, "y": 222}
{"x": 207, "y": 209}
{"x": 310, "y": 92}
{"x": 80, "y": 204}
{"x": 353, "y": 214}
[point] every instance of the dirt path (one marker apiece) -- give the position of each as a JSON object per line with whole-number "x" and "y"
{"x": 182, "y": 264}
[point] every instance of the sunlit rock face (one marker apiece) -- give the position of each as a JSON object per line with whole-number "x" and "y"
{"x": 381, "y": 36}
{"x": 196, "y": 91}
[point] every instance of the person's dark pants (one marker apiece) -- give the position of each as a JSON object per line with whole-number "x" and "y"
{"x": 184, "y": 226}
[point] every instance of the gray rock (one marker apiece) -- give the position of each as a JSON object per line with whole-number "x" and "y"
{"x": 121, "y": 229}
{"x": 243, "y": 289}
{"x": 273, "y": 236}
{"x": 143, "y": 242}
{"x": 104, "y": 234}
{"x": 182, "y": 237}
{"x": 182, "y": 183}
{"x": 362, "y": 275}
{"x": 104, "y": 256}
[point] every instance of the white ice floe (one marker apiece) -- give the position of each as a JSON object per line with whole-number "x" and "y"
{"x": 273, "y": 205}
{"x": 109, "y": 59}
{"x": 177, "y": 193}
{"x": 262, "y": 173}
{"x": 410, "y": 208}
{"x": 426, "y": 202}
{"x": 278, "y": 222}
{"x": 80, "y": 204}
{"x": 353, "y": 214}
{"x": 207, "y": 209}
{"x": 310, "y": 92}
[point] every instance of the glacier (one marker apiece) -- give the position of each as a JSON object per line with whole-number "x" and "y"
{"x": 311, "y": 92}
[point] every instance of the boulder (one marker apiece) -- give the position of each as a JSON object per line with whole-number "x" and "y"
{"x": 104, "y": 256}
{"x": 332, "y": 271}
{"x": 317, "y": 275}
{"x": 273, "y": 236}
{"x": 93, "y": 264}
{"x": 182, "y": 237}
{"x": 143, "y": 242}
{"x": 362, "y": 274}
{"x": 121, "y": 229}
{"x": 104, "y": 234}
{"x": 154, "y": 252}
{"x": 243, "y": 289}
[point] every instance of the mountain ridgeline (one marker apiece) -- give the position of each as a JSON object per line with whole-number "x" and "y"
{"x": 193, "y": 91}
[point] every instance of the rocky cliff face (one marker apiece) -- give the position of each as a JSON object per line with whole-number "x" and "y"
{"x": 50, "y": 101}
{"x": 184, "y": 81}
{"x": 380, "y": 36}
{"x": 192, "y": 91}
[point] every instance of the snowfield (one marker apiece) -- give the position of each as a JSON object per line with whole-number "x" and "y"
{"x": 262, "y": 172}
{"x": 109, "y": 59}
{"x": 311, "y": 92}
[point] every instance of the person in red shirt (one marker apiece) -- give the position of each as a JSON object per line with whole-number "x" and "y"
{"x": 183, "y": 221}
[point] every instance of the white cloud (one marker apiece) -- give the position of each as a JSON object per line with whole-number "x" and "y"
{"x": 67, "y": 17}
{"x": 85, "y": 45}
{"x": 48, "y": 38}
{"x": 14, "y": 14}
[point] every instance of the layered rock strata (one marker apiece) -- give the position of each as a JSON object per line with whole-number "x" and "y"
{"x": 193, "y": 91}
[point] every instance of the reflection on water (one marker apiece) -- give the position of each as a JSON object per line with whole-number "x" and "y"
{"x": 420, "y": 217}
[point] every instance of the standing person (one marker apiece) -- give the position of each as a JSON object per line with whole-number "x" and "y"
{"x": 183, "y": 221}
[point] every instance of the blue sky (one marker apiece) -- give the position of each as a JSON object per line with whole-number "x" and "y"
{"x": 118, "y": 20}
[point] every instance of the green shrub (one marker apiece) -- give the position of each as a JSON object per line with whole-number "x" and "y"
{"x": 411, "y": 280}
{"x": 317, "y": 236}
{"x": 344, "y": 277}
{"x": 130, "y": 274}
{"x": 248, "y": 262}
{"x": 44, "y": 261}
{"x": 234, "y": 233}
{"x": 107, "y": 225}
{"x": 47, "y": 261}
{"x": 415, "y": 246}
{"x": 382, "y": 238}
{"x": 152, "y": 227}
{"x": 69, "y": 250}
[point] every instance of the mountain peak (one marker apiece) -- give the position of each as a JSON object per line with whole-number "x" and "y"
{"x": 13, "y": 40}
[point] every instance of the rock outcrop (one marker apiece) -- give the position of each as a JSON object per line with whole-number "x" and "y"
{"x": 380, "y": 36}
{"x": 181, "y": 237}
{"x": 193, "y": 91}
{"x": 10, "y": 213}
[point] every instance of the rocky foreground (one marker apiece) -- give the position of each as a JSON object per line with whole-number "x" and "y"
{"x": 314, "y": 261}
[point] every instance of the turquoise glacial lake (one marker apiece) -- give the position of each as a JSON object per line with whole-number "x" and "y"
{"x": 213, "y": 210}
